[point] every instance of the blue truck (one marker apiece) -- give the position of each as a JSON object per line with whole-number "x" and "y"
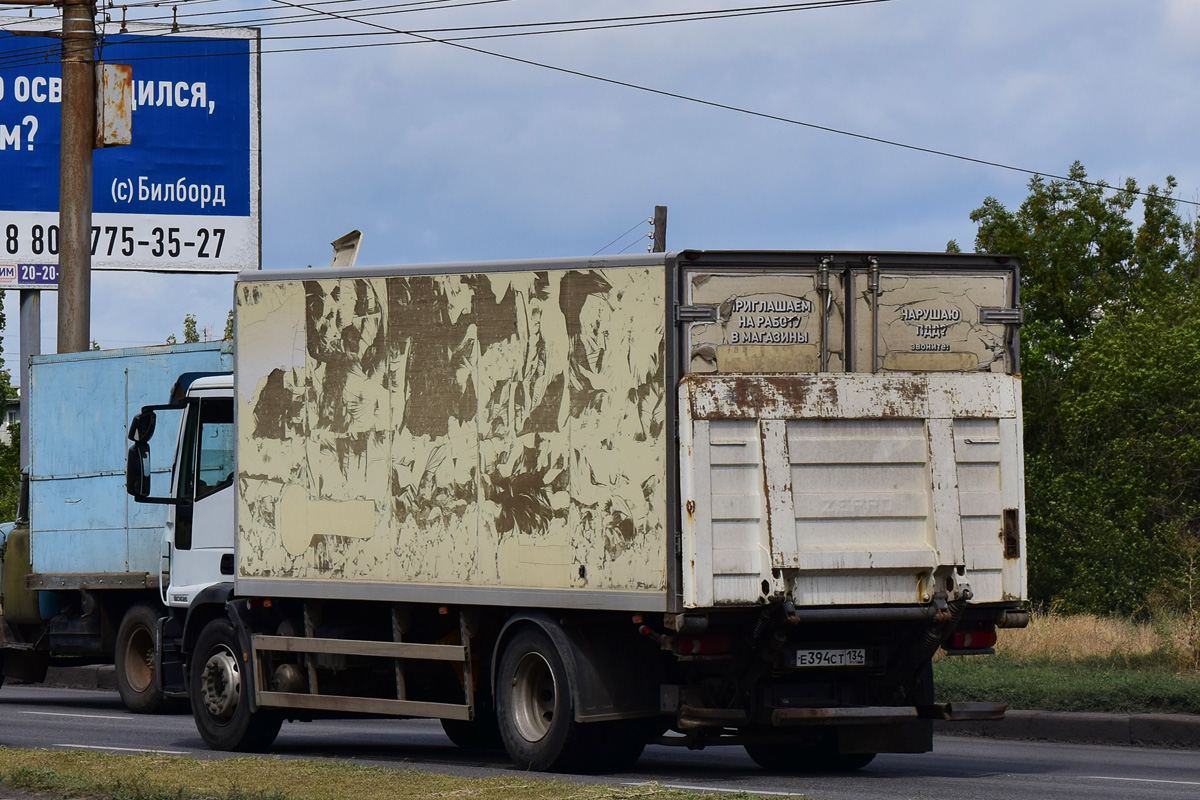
{"x": 82, "y": 574}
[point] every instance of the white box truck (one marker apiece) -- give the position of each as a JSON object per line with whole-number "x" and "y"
{"x": 572, "y": 506}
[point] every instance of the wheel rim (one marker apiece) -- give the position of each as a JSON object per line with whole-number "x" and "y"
{"x": 221, "y": 683}
{"x": 139, "y": 660}
{"x": 533, "y": 697}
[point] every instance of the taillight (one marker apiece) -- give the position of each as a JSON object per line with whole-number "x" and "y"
{"x": 973, "y": 640}
{"x": 702, "y": 645}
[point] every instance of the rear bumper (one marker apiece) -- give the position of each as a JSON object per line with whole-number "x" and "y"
{"x": 691, "y": 717}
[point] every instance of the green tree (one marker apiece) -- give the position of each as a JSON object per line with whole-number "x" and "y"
{"x": 1112, "y": 402}
{"x": 10, "y": 451}
{"x": 190, "y": 334}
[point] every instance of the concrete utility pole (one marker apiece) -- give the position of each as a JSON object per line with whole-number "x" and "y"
{"x": 660, "y": 230}
{"x": 75, "y": 182}
{"x": 31, "y": 345}
{"x": 31, "y": 299}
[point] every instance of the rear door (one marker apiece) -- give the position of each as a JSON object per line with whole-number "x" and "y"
{"x": 764, "y": 318}
{"x": 934, "y": 316}
{"x": 878, "y": 486}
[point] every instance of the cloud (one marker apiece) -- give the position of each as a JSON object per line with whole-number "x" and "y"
{"x": 440, "y": 155}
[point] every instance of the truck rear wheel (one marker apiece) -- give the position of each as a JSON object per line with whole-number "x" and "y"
{"x": 137, "y": 678}
{"x": 533, "y": 702}
{"x": 218, "y": 684}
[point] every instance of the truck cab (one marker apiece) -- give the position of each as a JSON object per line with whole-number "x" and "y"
{"x": 197, "y": 547}
{"x": 197, "y": 544}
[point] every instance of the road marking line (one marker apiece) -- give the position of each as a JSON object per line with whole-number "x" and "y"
{"x": 62, "y": 714}
{"x": 123, "y": 749}
{"x": 1143, "y": 780}
{"x": 695, "y": 788}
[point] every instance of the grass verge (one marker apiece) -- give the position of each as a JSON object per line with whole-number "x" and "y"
{"x": 1082, "y": 662}
{"x": 159, "y": 777}
{"x": 1094, "y": 684}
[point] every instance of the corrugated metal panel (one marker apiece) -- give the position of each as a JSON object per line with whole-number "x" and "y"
{"x": 848, "y": 489}
{"x": 81, "y": 519}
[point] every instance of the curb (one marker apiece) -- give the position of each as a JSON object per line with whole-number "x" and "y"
{"x": 1145, "y": 730}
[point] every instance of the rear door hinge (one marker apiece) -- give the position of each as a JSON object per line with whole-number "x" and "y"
{"x": 699, "y": 313}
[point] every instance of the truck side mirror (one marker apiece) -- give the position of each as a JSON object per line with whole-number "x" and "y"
{"x": 142, "y": 428}
{"x": 137, "y": 466}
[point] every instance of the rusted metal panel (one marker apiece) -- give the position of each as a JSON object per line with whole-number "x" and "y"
{"x": 501, "y": 429}
{"x": 945, "y": 500}
{"x": 851, "y": 396}
{"x": 782, "y": 545}
{"x": 93, "y": 580}
{"x": 114, "y": 105}
{"x": 861, "y": 489}
{"x": 862, "y": 715}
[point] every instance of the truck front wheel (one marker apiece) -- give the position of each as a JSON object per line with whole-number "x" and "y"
{"x": 533, "y": 703}
{"x": 137, "y": 678}
{"x": 218, "y": 685}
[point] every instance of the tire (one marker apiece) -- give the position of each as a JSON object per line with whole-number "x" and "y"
{"x": 800, "y": 759}
{"x": 217, "y": 679}
{"x": 137, "y": 678}
{"x": 481, "y": 733}
{"x": 533, "y": 703}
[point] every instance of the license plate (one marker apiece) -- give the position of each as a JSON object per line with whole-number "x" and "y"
{"x": 850, "y": 657}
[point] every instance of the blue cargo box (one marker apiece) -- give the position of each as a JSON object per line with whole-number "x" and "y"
{"x": 80, "y": 518}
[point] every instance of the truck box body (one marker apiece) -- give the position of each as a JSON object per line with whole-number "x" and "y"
{"x": 826, "y": 428}
{"x": 502, "y": 433}
{"x": 81, "y": 521}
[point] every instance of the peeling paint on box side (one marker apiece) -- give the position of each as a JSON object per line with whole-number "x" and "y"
{"x": 498, "y": 429}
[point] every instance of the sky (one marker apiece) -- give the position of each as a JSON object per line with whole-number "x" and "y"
{"x": 438, "y": 153}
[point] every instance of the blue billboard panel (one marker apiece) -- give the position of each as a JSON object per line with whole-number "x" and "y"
{"x": 183, "y": 196}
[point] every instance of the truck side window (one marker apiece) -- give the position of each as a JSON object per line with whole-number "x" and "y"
{"x": 214, "y": 464}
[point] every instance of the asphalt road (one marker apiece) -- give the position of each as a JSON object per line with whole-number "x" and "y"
{"x": 960, "y": 768}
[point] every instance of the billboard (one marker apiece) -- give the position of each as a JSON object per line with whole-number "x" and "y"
{"x": 184, "y": 197}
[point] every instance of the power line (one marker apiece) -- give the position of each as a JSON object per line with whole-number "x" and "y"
{"x": 596, "y": 23}
{"x": 425, "y": 39}
{"x": 636, "y": 225}
{"x": 404, "y": 7}
{"x": 747, "y": 111}
{"x": 603, "y": 23}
